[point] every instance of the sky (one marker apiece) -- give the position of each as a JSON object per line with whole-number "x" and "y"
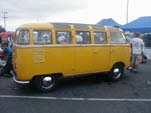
{"x": 76, "y": 11}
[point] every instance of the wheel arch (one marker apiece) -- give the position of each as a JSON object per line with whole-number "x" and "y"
{"x": 118, "y": 63}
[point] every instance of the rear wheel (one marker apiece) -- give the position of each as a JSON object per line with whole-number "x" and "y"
{"x": 45, "y": 83}
{"x": 116, "y": 72}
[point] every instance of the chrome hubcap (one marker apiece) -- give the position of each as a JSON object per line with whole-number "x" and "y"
{"x": 117, "y": 73}
{"x": 116, "y": 70}
{"x": 47, "y": 81}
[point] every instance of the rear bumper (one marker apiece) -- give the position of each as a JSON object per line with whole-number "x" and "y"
{"x": 18, "y": 81}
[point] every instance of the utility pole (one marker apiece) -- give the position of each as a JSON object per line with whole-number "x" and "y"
{"x": 5, "y": 17}
{"x": 127, "y": 11}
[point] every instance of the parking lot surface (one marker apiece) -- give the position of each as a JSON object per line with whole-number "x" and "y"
{"x": 88, "y": 94}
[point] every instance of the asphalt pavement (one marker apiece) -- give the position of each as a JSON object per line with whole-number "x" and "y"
{"x": 88, "y": 94}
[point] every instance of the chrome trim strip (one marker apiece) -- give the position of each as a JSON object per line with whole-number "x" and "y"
{"x": 68, "y": 45}
{"x": 18, "y": 81}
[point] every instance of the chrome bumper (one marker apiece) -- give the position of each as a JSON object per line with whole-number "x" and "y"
{"x": 18, "y": 81}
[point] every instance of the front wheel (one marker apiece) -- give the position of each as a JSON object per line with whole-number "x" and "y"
{"x": 45, "y": 83}
{"x": 116, "y": 72}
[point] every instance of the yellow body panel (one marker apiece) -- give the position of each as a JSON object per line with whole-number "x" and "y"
{"x": 72, "y": 59}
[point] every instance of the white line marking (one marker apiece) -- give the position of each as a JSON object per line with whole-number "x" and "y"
{"x": 77, "y": 99}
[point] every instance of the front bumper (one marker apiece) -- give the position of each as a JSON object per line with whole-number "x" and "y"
{"x": 18, "y": 81}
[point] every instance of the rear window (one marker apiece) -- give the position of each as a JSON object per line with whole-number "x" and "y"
{"x": 23, "y": 38}
{"x": 117, "y": 37}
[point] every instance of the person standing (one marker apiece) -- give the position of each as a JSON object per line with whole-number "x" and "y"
{"x": 8, "y": 59}
{"x": 137, "y": 48}
{"x": 7, "y": 52}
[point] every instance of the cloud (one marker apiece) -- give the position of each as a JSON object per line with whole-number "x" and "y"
{"x": 40, "y": 8}
{"x": 79, "y": 11}
{"x": 27, "y": 11}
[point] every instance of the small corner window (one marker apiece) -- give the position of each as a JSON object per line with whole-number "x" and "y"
{"x": 83, "y": 37}
{"x": 100, "y": 38}
{"x": 42, "y": 37}
{"x": 117, "y": 38}
{"x": 63, "y": 37}
{"x": 23, "y": 38}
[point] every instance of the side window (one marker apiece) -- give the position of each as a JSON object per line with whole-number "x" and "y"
{"x": 63, "y": 37}
{"x": 23, "y": 38}
{"x": 42, "y": 37}
{"x": 83, "y": 37}
{"x": 117, "y": 37}
{"x": 100, "y": 38}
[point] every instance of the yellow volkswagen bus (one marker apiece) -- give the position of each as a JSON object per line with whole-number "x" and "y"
{"x": 43, "y": 53}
